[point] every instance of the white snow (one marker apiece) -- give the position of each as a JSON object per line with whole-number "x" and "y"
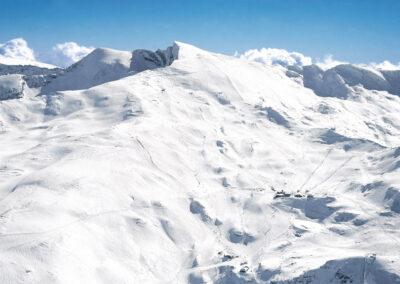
{"x": 100, "y": 66}
{"x": 211, "y": 170}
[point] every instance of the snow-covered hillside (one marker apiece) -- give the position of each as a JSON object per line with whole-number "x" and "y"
{"x": 208, "y": 169}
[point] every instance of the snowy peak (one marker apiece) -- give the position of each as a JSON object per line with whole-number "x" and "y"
{"x": 103, "y": 65}
{"x": 100, "y": 66}
{"x": 185, "y": 50}
{"x": 147, "y": 60}
{"x": 106, "y": 56}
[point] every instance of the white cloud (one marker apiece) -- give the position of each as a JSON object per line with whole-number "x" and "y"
{"x": 275, "y": 56}
{"x": 17, "y": 52}
{"x": 65, "y": 54}
{"x": 385, "y": 65}
{"x": 329, "y": 62}
{"x": 17, "y": 49}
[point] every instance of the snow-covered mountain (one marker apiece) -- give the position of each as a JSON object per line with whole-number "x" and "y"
{"x": 186, "y": 166}
{"x": 100, "y": 66}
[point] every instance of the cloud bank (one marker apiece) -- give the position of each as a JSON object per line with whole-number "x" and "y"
{"x": 386, "y": 65}
{"x": 275, "y": 56}
{"x": 67, "y": 53}
{"x": 17, "y": 49}
{"x": 329, "y": 62}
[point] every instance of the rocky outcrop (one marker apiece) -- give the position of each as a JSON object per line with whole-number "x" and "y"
{"x": 27, "y": 70}
{"x": 143, "y": 59}
{"x": 11, "y": 87}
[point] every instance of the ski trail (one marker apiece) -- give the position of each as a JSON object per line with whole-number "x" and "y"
{"x": 333, "y": 173}
{"x": 315, "y": 170}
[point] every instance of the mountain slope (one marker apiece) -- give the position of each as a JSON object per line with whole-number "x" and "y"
{"x": 212, "y": 169}
{"x": 100, "y": 66}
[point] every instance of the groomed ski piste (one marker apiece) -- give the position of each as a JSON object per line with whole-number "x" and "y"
{"x": 187, "y": 166}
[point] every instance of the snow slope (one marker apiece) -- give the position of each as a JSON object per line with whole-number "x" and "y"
{"x": 104, "y": 65}
{"x": 100, "y": 66}
{"x": 210, "y": 170}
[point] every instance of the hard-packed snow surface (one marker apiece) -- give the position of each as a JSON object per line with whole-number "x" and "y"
{"x": 210, "y": 170}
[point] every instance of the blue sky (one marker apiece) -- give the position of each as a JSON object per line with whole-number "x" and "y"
{"x": 355, "y": 31}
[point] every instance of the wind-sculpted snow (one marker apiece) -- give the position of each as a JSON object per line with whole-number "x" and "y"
{"x": 209, "y": 170}
{"x": 370, "y": 80}
{"x": 339, "y": 80}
